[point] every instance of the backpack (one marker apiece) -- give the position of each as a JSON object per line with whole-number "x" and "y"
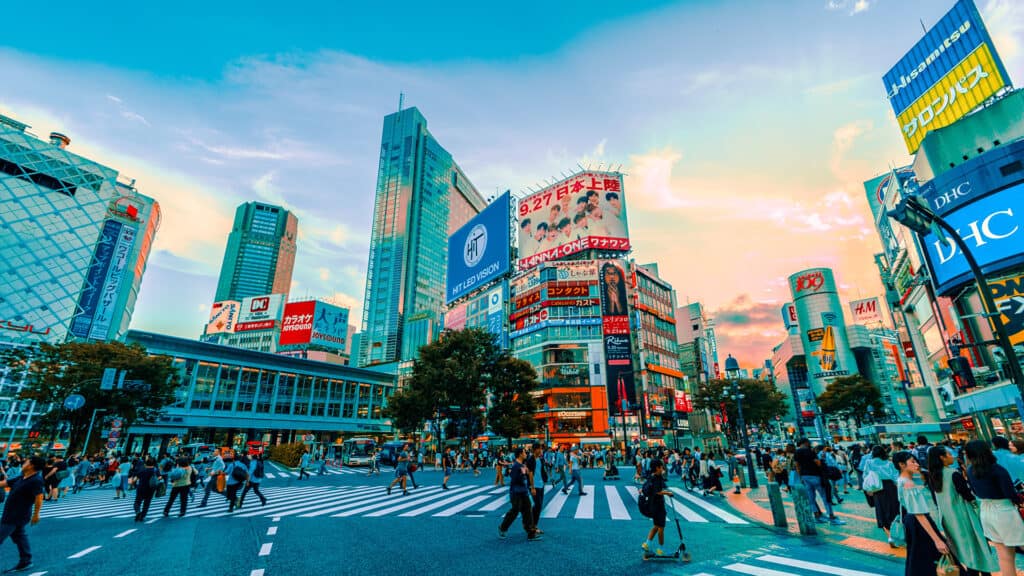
{"x": 643, "y": 499}
{"x": 239, "y": 473}
{"x": 176, "y": 474}
{"x": 258, "y": 472}
{"x": 154, "y": 481}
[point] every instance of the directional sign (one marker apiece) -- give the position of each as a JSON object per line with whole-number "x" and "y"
{"x": 74, "y": 402}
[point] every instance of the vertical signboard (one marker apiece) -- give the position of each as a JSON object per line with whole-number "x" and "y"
{"x": 618, "y": 349}
{"x": 1008, "y": 295}
{"x": 89, "y": 298}
{"x": 297, "y": 323}
{"x": 479, "y": 251}
{"x": 789, "y": 315}
{"x": 822, "y": 327}
{"x": 106, "y": 307}
{"x": 223, "y": 317}
{"x": 496, "y": 315}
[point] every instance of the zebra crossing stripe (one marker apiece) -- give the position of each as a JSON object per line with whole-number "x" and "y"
{"x": 499, "y": 491}
{"x": 308, "y": 502}
{"x": 460, "y": 507}
{"x": 730, "y": 518}
{"x": 683, "y": 511}
{"x": 373, "y": 495}
{"x": 436, "y": 505}
{"x": 554, "y": 506}
{"x": 813, "y": 566}
{"x": 221, "y": 510}
{"x": 615, "y": 504}
{"x": 585, "y": 509}
{"x": 268, "y": 475}
{"x": 756, "y": 570}
{"x": 431, "y": 494}
{"x": 497, "y": 503}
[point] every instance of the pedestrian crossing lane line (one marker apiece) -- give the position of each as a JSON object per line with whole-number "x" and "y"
{"x": 380, "y": 499}
{"x": 425, "y": 496}
{"x": 435, "y": 505}
{"x": 729, "y": 518}
{"x": 306, "y": 503}
{"x": 756, "y": 570}
{"x": 618, "y": 509}
{"x": 683, "y": 511}
{"x": 220, "y": 509}
{"x": 460, "y": 507}
{"x": 497, "y": 503}
{"x": 813, "y": 566}
{"x": 554, "y": 506}
{"x": 585, "y": 508}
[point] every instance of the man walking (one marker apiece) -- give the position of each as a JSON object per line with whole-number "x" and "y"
{"x": 538, "y": 471}
{"x": 237, "y": 472}
{"x": 560, "y": 465}
{"x": 574, "y": 473}
{"x": 810, "y": 469}
{"x": 216, "y": 470}
{"x": 519, "y": 494}
{"x": 22, "y": 507}
{"x": 256, "y": 474}
{"x": 303, "y": 464}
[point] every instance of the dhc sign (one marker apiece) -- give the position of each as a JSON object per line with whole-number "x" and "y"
{"x": 992, "y": 229}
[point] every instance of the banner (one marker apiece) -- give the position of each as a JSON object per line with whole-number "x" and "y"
{"x": 106, "y": 307}
{"x": 479, "y": 251}
{"x": 297, "y": 324}
{"x": 260, "y": 312}
{"x": 94, "y": 277}
{"x": 866, "y": 311}
{"x": 223, "y": 317}
{"x": 1008, "y": 295}
{"x": 618, "y": 349}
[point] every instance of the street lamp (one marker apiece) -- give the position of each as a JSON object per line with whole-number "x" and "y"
{"x": 732, "y": 371}
{"x": 88, "y": 435}
{"x": 916, "y": 215}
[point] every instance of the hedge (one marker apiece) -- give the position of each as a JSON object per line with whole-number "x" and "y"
{"x": 287, "y": 454}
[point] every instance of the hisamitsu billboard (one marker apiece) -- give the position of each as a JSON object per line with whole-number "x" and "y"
{"x": 479, "y": 251}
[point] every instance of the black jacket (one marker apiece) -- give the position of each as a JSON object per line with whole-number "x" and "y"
{"x": 531, "y": 462}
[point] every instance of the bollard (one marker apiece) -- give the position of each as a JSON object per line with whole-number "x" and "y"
{"x": 804, "y": 513}
{"x": 742, "y": 470}
{"x": 778, "y": 509}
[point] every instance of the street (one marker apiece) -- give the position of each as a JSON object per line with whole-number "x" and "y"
{"x": 345, "y": 523}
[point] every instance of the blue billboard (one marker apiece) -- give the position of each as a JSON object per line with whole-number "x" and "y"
{"x": 95, "y": 275}
{"x": 479, "y": 251}
{"x": 991, "y": 228}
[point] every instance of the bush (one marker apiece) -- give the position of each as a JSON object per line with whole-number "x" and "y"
{"x": 287, "y": 454}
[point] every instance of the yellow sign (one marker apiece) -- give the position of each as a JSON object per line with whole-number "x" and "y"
{"x": 966, "y": 86}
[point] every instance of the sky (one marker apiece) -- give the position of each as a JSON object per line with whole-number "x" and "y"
{"x": 745, "y": 128}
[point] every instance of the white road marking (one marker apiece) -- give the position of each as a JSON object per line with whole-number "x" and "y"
{"x": 272, "y": 531}
{"x": 153, "y": 520}
{"x": 814, "y": 566}
{"x": 125, "y": 533}
{"x": 37, "y": 574}
{"x": 277, "y": 518}
{"x": 84, "y": 552}
{"x": 459, "y": 508}
{"x": 265, "y": 549}
{"x": 498, "y": 503}
{"x": 585, "y": 509}
{"x": 756, "y": 571}
{"x": 615, "y": 504}
{"x": 730, "y": 518}
{"x": 435, "y": 505}
{"x": 256, "y": 572}
{"x": 554, "y": 505}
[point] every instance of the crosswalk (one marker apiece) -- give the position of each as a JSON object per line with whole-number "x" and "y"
{"x": 273, "y": 472}
{"x": 779, "y": 565}
{"x": 615, "y": 502}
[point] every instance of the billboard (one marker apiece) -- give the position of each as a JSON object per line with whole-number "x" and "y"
{"x": 822, "y": 327}
{"x": 618, "y": 349}
{"x": 582, "y": 212}
{"x": 297, "y": 323}
{"x": 1008, "y": 295}
{"x": 479, "y": 251}
{"x": 789, "y": 315}
{"x": 330, "y": 325}
{"x": 106, "y": 306}
{"x": 866, "y": 311}
{"x": 223, "y": 317}
{"x": 950, "y": 71}
{"x": 455, "y": 318}
{"x": 88, "y": 299}
{"x": 989, "y": 226}
{"x": 260, "y": 312}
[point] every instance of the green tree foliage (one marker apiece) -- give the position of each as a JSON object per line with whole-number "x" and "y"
{"x": 850, "y": 397}
{"x": 287, "y": 454}
{"x": 512, "y": 406}
{"x": 762, "y": 402}
{"x": 54, "y": 372}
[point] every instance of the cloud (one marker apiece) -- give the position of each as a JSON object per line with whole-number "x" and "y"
{"x": 853, "y": 6}
{"x": 748, "y": 329}
{"x": 324, "y": 274}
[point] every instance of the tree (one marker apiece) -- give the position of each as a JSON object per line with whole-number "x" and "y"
{"x": 762, "y": 402}
{"x": 850, "y": 397}
{"x": 54, "y": 372}
{"x": 512, "y": 406}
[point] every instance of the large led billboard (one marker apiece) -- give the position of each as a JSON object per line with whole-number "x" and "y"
{"x": 314, "y": 323}
{"x": 949, "y": 72}
{"x": 618, "y": 349}
{"x": 991, "y": 227}
{"x": 479, "y": 251}
{"x": 586, "y": 211}
{"x": 260, "y": 312}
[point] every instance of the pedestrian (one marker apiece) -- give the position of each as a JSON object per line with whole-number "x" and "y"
{"x": 216, "y": 472}
{"x": 22, "y": 507}
{"x": 1000, "y": 518}
{"x": 925, "y": 544}
{"x": 446, "y": 464}
{"x": 321, "y": 464}
{"x": 811, "y": 472}
{"x": 413, "y": 467}
{"x": 146, "y": 482}
{"x": 401, "y": 470}
{"x": 538, "y": 471}
{"x": 374, "y": 467}
{"x": 734, "y": 469}
{"x": 779, "y": 466}
{"x": 124, "y": 469}
{"x": 237, "y": 474}
{"x": 713, "y": 475}
{"x": 560, "y": 465}
{"x": 519, "y": 496}
{"x": 181, "y": 482}
{"x": 656, "y": 488}
{"x": 574, "y": 474}
{"x": 303, "y": 464}
{"x": 256, "y": 475}
{"x": 81, "y": 473}
{"x": 855, "y": 460}
{"x": 958, "y": 517}
{"x": 499, "y": 469}
{"x": 1013, "y": 463}
{"x": 843, "y": 463}
{"x": 885, "y": 500}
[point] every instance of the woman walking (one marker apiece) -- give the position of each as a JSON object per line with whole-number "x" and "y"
{"x": 1000, "y": 519}
{"x": 885, "y": 501}
{"x": 958, "y": 518}
{"x": 925, "y": 544}
{"x": 146, "y": 481}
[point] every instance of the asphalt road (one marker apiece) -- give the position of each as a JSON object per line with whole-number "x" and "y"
{"x": 346, "y": 524}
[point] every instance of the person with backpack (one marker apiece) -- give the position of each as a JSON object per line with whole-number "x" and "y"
{"x": 216, "y": 470}
{"x": 146, "y": 483}
{"x": 256, "y": 474}
{"x": 303, "y": 464}
{"x": 519, "y": 495}
{"x": 181, "y": 482}
{"x": 651, "y": 501}
{"x": 538, "y": 472}
{"x": 237, "y": 472}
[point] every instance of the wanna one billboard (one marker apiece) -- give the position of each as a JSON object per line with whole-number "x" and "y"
{"x": 586, "y": 211}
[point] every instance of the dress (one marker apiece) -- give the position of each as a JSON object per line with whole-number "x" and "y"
{"x": 961, "y": 523}
{"x": 921, "y": 551}
{"x": 886, "y": 501}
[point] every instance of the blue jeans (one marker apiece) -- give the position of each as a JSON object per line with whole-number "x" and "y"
{"x": 576, "y": 479}
{"x": 20, "y": 539}
{"x": 813, "y": 484}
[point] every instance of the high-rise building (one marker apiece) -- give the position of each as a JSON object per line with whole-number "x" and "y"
{"x": 422, "y": 197}
{"x": 260, "y": 254}
{"x": 75, "y": 237}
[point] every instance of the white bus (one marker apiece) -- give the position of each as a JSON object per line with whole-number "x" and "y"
{"x": 358, "y": 451}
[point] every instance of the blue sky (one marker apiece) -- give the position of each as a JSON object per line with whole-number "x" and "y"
{"x": 746, "y": 128}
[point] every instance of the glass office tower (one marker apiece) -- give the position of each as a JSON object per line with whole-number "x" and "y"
{"x": 260, "y": 254}
{"x": 74, "y": 241}
{"x": 422, "y": 197}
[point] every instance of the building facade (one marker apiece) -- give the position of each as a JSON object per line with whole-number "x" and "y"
{"x": 422, "y": 197}
{"x": 75, "y": 237}
{"x": 260, "y": 253}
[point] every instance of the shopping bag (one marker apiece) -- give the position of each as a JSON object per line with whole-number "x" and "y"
{"x": 947, "y": 566}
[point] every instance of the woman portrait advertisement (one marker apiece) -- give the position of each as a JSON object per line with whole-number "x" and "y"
{"x": 613, "y": 290}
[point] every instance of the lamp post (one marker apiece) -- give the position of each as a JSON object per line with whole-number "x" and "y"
{"x": 732, "y": 371}
{"x": 916, "y": 215}
{"x": 547, "y": 425}
{"x": 88, "y": 435}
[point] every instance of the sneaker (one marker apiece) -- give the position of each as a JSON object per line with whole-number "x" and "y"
{"x": 658, "y": 552}
{"x": 582, "y": 494}
{"x": 502, "y": 534}
{"x": 836, "y": 521}
{"x": 20, "y": 567}
{"x": 534, "y": 537}
{"x": 389, "y": 490}
{"x": 820, "y": 520}
{"x": 645, "y": 547}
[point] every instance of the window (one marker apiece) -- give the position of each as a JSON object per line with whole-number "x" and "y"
{"x": 205, "y": 379}
{"x": 285, "y": 391}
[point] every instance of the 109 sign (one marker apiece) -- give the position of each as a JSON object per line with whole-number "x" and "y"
{"x": 812, "y": 281}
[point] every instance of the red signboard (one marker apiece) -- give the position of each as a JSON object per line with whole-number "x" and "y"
{"x": 908, "y": 349}
{"x": 297, "y": 325}
{"x": 615, "y": 324}
{"x": 260, "y": 325}
{"x": 682, "y": 402}
{"x": 812, "y": 281}
{"x": 566, "y": 290}
{"x": 527, "y": 300}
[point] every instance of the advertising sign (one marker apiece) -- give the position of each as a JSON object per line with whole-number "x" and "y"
{"x": 990, "y": 226}
{"x": 106, "y": 307}
{"x": 297, "y": 323}
{"x": 496, "y": 314}
{"x": 260, "y": 312}
{"x": 455, "y": 318}
{"x": 683, "y": 403}
{"x": 866, "y": 311}
{"x": 479, "y": 251}
{"x": 618, "y": 349}
{"x": 789, "y": 315}
{"x": 822, "y": 327}
{"x": 94, "y": 277}
{"x": 953, "y": 69}
{"x": 583, "y": 212}
{"x": 877, "y": 188}
{"x": 585, "y": 270}
{"x": 1008, "y": 295}
{"x": 330, "y": 325}
{"x": 223, "y": 317}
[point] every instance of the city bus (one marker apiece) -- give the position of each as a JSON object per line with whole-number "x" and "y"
{"x": 357, "y": 451}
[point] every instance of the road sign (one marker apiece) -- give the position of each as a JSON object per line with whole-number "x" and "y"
{"x": 115, "y": 423}
{"x": 114, "y": 434}
{"x": 112, "y": 444}
{"x": 74, "y": 402}
{"x": 109, "y": 376}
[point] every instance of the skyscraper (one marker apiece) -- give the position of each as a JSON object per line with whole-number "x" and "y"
{"x": 422, "y": 197}
{"x": 75, "y": 237}
{"x": 260, "y": 254}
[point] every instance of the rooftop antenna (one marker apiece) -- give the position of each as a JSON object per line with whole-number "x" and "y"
{"x": 401, "y": 100}
{"x": 923, "y": 27}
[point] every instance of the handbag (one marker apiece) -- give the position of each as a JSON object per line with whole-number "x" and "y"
{"x": 947, "y": 566}
{"x": 898, "y": 532}
{"x": 872, "y": 482}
